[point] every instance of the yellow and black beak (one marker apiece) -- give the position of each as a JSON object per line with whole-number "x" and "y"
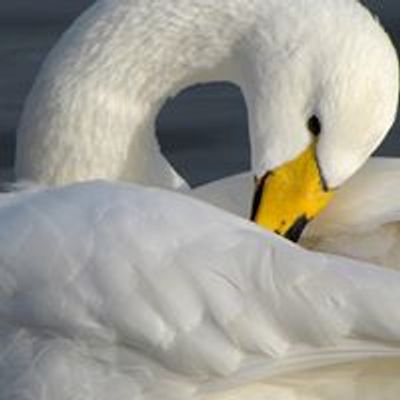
{"x": 290, "y": 196}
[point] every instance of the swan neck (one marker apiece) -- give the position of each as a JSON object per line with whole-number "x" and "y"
{"x": 91, "y": 113}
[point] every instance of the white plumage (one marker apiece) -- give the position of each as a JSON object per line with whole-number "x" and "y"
{"x": 116, "y": 291}
{"x": 91, "y": 112}
{"x": 102, "y": 296}
{"x": 363, "y": 219}
{"x": 361, "y": 222}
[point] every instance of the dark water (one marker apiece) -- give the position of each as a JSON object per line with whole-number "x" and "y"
{"x": 203, "y": 131}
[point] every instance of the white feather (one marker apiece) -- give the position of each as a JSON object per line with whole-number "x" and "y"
{"x": 363, "y": 219}
{"x": 92, "y": 110}
{"x": 172, "y": 311}
{"x": 113, "y": 291}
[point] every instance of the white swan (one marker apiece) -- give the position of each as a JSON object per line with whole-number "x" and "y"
{"x": 147, "y": 294}
{"x": 91, "y": 112}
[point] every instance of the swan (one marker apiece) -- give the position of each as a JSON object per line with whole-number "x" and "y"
{"x": 115, "y": 290}
{"x": 146, "y": 307}
{"x": 91, "y": 111}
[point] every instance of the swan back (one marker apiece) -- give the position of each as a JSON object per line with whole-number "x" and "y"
{"x": 147, "y": 306}
{"x": 362, "y": 220}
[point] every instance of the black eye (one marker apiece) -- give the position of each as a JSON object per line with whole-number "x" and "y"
{"x": 314, "y": 125}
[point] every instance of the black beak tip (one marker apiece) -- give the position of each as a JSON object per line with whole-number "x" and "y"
{"x": 294, "y": 233}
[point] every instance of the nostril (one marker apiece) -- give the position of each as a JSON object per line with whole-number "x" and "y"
{"x": 294, "y": 233}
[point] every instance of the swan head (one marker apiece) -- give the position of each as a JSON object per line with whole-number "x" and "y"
{"x": 328, "y": 104}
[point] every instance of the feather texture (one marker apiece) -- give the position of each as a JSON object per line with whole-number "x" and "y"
{"x": 108, "y": 290}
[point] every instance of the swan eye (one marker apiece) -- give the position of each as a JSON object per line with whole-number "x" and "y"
{"x": 314, "y": 125}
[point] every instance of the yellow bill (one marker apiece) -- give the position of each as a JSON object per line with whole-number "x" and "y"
{"x": 292, "y": 195}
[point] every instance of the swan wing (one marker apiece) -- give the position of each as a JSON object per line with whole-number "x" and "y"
{"x": 362, "y": 221}
{"x": 117, "y": 291}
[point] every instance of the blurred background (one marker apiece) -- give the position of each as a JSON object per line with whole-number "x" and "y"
{"x": 203, "y": 131}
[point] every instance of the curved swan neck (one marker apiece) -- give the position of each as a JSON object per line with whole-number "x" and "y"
{"x": 92, "y": 109}
{"x": 91, "y": 112}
